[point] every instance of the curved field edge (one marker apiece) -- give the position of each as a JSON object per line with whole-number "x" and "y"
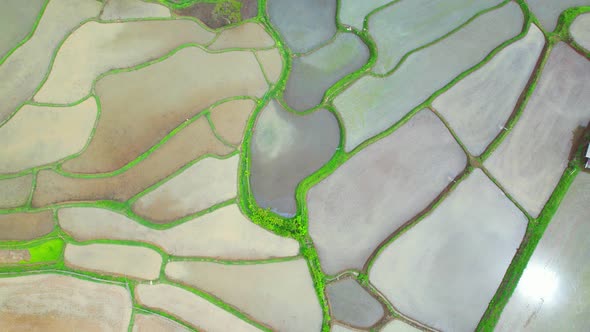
{"x": 28, "y": 36}
{"x": 296, "y": 227}
{"x": 537, "y": 227}
{"x": 47, "y": 251}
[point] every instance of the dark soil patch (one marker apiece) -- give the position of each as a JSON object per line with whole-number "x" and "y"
{"x": 217, "y": 15}
{"x": 580, "y": 142}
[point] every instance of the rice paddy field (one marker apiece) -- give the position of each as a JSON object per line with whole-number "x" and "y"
{"x": 281, "y": 165}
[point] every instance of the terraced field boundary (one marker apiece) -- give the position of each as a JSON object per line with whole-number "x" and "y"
{"x": 47, "y": 251}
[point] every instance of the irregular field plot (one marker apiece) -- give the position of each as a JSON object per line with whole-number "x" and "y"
{"x": 271, "y": 62}
{"x": 311, "y": 75}
{"x": 247, "y": 35}
{"x": 191, "y": 142}
{"x": 230, "y": 119}
{"x": 352, "y": 304}
{"x": 399, "y": 326}
{"x": 341, "y": 328}
{"x": 478, "y": 107}
{"x": 407, "y": 25}
{"x": 353, "y": 12}
{"x": 303, "y": 24}
{"x": 224, "y": 234}
{"x": 131, "y": 261}
{"x": 122, "y": 9}
{"x": 155, "y": 323}
{"x": 190, "y": 308}
{"x": 27, "y": 65}
{"x": 15, "y": 191}
{"x": 51, "y": 302}
{"x": 208, "y": 182}
{"x": 553, "y": 292}
{"x": 95, "y": 48}
{"x": 25, "y": 225}
{"x": 365, "y": 200}
{"x": 457, "y": 254}
{"x": 305, "y": 166}
{"x": 14, "y": 256}
{"x": 286, "y": 148}
{"x": 278, "y": 294}
{"x": 373, "y": 104}
{"x": 16, "y": 21}
{"x": 531, "y": 160}
{"x": 38, "y": 135}
{"x": 162, "y": 95}
{"x": 580, "y": 31}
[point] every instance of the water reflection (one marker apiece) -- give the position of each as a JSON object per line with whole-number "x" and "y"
{"x": 538, "y": 281}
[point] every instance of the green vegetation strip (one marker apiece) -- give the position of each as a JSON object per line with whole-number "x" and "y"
{"x": 49, "y": 249}
{"x": 43, "y": 251}
{"x": 536, "y": 227}
{"x": 533, "y": 235}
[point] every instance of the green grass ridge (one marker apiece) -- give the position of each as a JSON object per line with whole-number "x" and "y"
{"x": 46, "y": 253}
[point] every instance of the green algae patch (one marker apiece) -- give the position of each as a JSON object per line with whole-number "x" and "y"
{"x": 38, "y": 254}
{"x": 229, "y": 10}
{"x": 46, "y": 252}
